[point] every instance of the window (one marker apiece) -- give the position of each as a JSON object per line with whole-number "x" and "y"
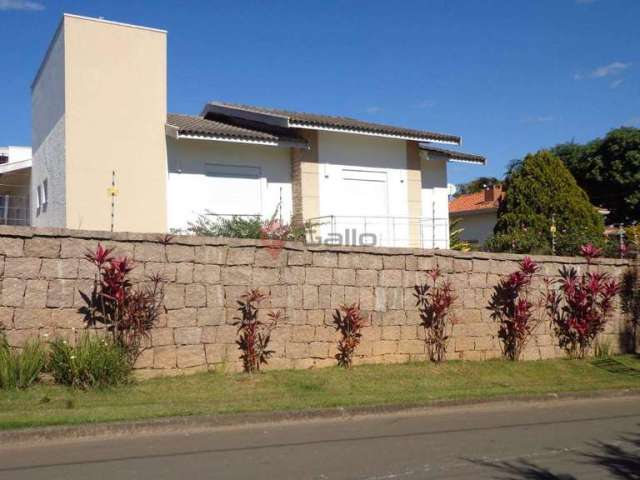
{"x": 38, "y": 199}
{"x": 45, "y": 194}
{"x": 4, "y": 158}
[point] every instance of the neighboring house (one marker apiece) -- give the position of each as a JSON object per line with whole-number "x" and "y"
{"x": 15, "y": 178}
{"x": 112, "y": 157}
{"x": 478, "y": 213}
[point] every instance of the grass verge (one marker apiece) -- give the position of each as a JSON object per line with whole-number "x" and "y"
{"x": 411, "y": 384}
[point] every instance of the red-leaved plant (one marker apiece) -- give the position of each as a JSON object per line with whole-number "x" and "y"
{"x": 128, "y": 313}
{"x": 511, "y": 306}
{"x": 580, "y": 305}
{"x": 254, "y": 333}
{"x": 434, "y": 302}
{"x": 349, "y": 322}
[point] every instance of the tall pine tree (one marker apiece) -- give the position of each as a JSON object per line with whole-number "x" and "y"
{"x": 541, "y": 191}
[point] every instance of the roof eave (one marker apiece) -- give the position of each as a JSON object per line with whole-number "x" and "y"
{"x": 218, "y": 108}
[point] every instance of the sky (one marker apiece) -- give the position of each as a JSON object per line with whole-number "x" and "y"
{"x": 508, "y": 76}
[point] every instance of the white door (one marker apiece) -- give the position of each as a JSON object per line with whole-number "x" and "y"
{"x": 233, "y": 189}
{"x": 363, "y": 205}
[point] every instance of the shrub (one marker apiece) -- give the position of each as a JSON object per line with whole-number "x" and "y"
{"x": 541, "y": 192}
{"x": 434, "y": 302}
{"x": 349, "y": 322}
{"x": 511, "y": 306}
{"x": 254, "y": 333}
{"x": 20, "y": 368}
{"x": 94, "y": 362}
{"x": 129, "y": 313}
{"x": 580, "y": 306}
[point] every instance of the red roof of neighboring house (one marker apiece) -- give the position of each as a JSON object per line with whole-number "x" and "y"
{"x": 476, "y": 202}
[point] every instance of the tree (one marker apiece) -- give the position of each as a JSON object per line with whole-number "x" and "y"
{"x": 541, "y": 192}
{"x": 609, "y": 171}
{"x": 477, "y": 185}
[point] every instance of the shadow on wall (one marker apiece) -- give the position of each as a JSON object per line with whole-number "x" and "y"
{"x": 621, "y": 460}
{"x": 630, "y": 296}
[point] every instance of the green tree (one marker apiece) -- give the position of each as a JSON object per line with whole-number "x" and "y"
{"x": 477, "y": 185}
{"x": 540, "y": 190}
{"x": 608, "y": 170}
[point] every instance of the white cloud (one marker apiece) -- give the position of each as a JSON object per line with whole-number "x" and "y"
{"x": 538, "y": 119}
{"x": 611, "y": 69}
{"x": 23, "y": 5}
{"x": 426, "y": 104}
{"x": 616, "y": 83}
{"x": 373, "y": 109}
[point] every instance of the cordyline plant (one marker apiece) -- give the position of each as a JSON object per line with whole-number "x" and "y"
{"x": 254, "y": 333}
{"x": 511, "y": 306}
{"x": 128, "y": 313}
{"x": 580, "y": 305}
{"x": 434, "y": 302}
{"x": 349, "y": 322}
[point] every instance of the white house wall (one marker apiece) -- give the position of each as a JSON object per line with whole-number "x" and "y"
{"x": 477, "y": 227}
{"x": 363, "y": 183}
{"x": 435, "y": 201}
{"x": 190, "y": 189}
{"x": 48, "y": 137}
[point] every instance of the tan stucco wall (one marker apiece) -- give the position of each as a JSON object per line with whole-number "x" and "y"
{"x": 115, "y": 83}
{"x": 304, "y": 178}
{"x": 414, "y": 192}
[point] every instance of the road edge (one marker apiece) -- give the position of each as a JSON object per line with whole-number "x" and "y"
{"x": 10, "y": 438}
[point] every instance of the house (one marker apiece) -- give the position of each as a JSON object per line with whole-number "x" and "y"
{"x": 477, "y": 213}
{"x": 15, "y": 178}
{"x": 111, "y": 157}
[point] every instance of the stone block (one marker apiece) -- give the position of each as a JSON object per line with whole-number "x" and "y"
{"x": 180, "y": 253}
{"x": 478, "y": 280}
{"x": 366, "y": 278}
{"x": 174, "y": 296}
{"x": 411, "y": 347}
{"x": 187, "y": 335}
{"x": 411, "y": 262}
{"x": 210, "y": 316}
{"x": 11, "y": 247}
{"x": 145, "y": 359}
{"x": 215, "y": 295}
{"x": 210, "y": 255}
{"x": 35, "y": 295}
{"x": 426, "y": 263}
{"x": 325, "y": 259}
{"x": 215, "y": 353}
{"x": 43, "y": 247}
{"x": 294, "y": 296}
{"x": 366, "y": 298}
{"x": 299, "y": 258}
{"x": 31, "y": 318}
{"x": 265, "y": 277}
{"x": 195, "y": 295}
{"x": 473, "y": 355}
{"x": 67, "y": 318}
{"x": 390, "y": 278}
{"x": 315, "y": 317}
{"x": 319, "y": 276}
{"x": 318, "y": 350}
{"x": 295, "y": 350}
{"x": 394, "y": 262}
{"x": 66, "y": 268}
{"x": 344, "y": 276}
{"x": 394, "y": 317}
{"x": 238, "y": 275}
{"x": 273, "y": 256}
{"x": 162, "y": 336}
{"x": 324, "y": 296}
{"x": 385, "y": 347}
{"x": 391, "y": 332}
{"x": 395, "y": 299}
{"x": 60, "y": 293}
{"x": 347, "y": 260}
{"x": 183, "y": 317}
{"x": 149, "y": 252}
{"x": 208, "y": 274}
{"x": 369, "y": 261}
{"x": 22, "y": 267}
{"x": 164, "y": 357}
{"x": 241, "y": 256}
{"x": 464, "y": 344}
{"x": 13, "y": 290}
{"x": 294, "y": 275}
{"x": 380, "y": 299}
{"x": 303, "y": 333}
{"x": 184, "y": 272}
{"x": 227, "y": 334}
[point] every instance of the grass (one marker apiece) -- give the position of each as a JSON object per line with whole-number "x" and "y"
{"x": 218, "y": 393}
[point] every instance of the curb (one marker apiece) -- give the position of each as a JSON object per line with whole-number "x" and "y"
{"x": 9, "y": 438}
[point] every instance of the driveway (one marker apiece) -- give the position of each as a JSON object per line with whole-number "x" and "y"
{"x": 583, "y": 439}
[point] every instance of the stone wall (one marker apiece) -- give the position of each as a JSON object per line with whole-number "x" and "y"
{"x": 44, "y": 272}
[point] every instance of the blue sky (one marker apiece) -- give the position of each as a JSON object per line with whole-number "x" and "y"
{"x": 508, "y": 76}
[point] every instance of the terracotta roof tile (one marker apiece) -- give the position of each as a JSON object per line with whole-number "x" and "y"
{"x": 475, "y": 202}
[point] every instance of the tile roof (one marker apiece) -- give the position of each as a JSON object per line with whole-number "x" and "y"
{"x": 313, "y": 120}
{"x": 455, "y": 155}
{"x": 196, "y": 125}
{"x": 475, "y": 202}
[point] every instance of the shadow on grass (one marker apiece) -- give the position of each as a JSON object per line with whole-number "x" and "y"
{"x": 612, "y": 365}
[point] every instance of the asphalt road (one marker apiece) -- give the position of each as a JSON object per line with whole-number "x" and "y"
{"x": 585, "y": 439}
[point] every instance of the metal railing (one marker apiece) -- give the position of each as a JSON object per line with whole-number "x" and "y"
{"x": 14, "y": 210}
{"x": 419, "y": 232}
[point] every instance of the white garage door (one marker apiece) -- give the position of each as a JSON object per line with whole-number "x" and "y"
{"x": 364, "y": 202}
{"x": 234, "y": 189}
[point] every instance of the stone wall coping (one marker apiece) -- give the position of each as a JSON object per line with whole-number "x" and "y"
{"x": 192, "y": 240}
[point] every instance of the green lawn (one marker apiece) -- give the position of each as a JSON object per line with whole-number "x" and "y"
{"x": 406, "y": 384}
